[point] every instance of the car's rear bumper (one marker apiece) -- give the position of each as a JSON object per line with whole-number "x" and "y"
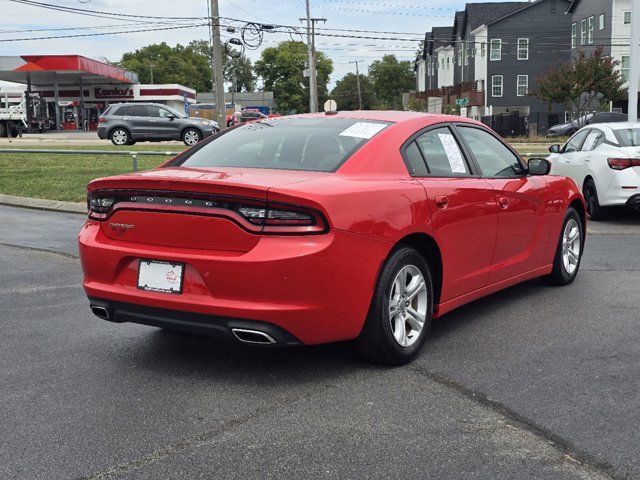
{"x": 318, "y": 288}
{"x": 184, "y": 321}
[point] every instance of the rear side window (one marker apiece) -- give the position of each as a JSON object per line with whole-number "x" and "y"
{"x": 628, "y": 137}
{"x": 311, "y": 144}
{"x": 442, "y": 153}
{"x": 414, "y": 160}
{"x": 493, "y": 157}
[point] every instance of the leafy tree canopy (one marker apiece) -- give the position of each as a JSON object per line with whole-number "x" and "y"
{"x": 345, "y": 93}
{"x": 390, "y": 79}
{"x": 187, "y": 65}
{"x": 281, "y": 69}
{"x": 582, "y": 83}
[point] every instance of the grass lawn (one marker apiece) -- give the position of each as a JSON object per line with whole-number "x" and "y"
{"x": 64, "y": 177}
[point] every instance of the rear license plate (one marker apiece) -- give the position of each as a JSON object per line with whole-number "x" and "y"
{"x": 158, "y": 276}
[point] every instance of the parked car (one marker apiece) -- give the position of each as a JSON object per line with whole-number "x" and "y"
{"x": 327, "y": 227}
{"x": 569, "y": 128}
{"x": 604, "y": 161}
{"x": 127, "y": 123}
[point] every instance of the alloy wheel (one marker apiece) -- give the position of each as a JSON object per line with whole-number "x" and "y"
{"x": 571, "y": 245}
{"x": 191, "y": 137}
{"x": 120, "y": 137}
{"x": 408, "y": 305}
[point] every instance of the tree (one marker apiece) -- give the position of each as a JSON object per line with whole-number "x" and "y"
{"x": 391, "y": 78}
{"x": 187, "y": 65}
{"x": 281, "y": 69}
{"x": 583, "y": 84}
{"x": 237, "y": 71}
{"x": 179, "y": 64}
{"x": 345, "y": 93}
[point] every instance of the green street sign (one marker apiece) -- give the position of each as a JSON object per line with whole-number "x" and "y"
{"x": 462, "y": 102}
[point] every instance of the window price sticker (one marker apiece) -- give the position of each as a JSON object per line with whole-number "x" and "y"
{"x": 364, "y": 130}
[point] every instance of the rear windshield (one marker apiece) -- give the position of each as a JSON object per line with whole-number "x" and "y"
{"x": 628, "y": 137}
{"x": 311, "y": 144}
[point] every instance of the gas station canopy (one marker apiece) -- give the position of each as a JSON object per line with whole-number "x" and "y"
{"x": 62, "y": 70}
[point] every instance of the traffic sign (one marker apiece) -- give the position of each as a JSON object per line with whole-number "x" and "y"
{"x": 462, "y": 102}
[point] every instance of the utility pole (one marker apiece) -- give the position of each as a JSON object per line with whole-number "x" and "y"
{"x": 313, "y": 78}
{"x": 634, "y": 62}
{"x": 218, "y": 80}
{"x": 358, "y": 82}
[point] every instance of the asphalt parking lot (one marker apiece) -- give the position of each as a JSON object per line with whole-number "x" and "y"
{"x": 533, "y": 382}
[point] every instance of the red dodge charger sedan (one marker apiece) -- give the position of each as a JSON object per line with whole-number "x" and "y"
{"x": 328, "y": 227}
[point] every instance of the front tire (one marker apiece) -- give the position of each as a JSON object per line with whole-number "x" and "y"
{"x": 191, "y": 136}
{"x": 120, "y": 137}
{"x": 594, "y": 209}
{"x": 401, "y": 310}
{"x": 566, "y": 262}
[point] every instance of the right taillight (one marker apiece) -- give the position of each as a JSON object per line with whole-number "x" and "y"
{"x": 622, "y": 163}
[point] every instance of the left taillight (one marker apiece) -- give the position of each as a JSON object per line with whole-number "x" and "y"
{"x": 99, "y": 206}
{"x": 102, "y": 120}
{"x": 623, "y": 163}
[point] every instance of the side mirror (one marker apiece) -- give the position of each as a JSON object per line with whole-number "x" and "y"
{"x": 539, "y": 166}
{"x": 171, "y": 118}
{"x": 555, "y": 148}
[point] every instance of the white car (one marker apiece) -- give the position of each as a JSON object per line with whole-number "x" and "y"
{"x": 604, "y": 161}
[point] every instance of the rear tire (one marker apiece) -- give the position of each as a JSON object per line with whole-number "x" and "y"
{"x": 120, "y": 136}
{"x": 401, "y": 310}
{"x": 594, "y": 209}
{"x": 566, "y": 262}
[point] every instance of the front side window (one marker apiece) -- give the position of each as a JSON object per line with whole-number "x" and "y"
{"x": 601, "y": 22}
{"x": 523, "y": 85}
{"x": 523, "y": 49}
{"x": 496, "y": 85}
{"x": 493, "y": 157}
{"x": 624, "y": 67}
{"x": 442, "y": 153}
{"x": 574, "y": 35}
{"x": 627, "y": 18}
{"x": 583, "y": 32}
{"x": 590, "y": 31}
{"x": 495, "y": 51}
{"x": 307, "y": 144}
{"x": 575, "y": 143}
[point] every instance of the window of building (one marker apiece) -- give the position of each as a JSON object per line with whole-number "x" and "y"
{"x": 496, "y": 85}
{"x": 495, "y": 52}
{"x": 624, "y": 67}
{"x": 590, "y": 30}
{"x": 601, "y": 22}
{"x": 626, "y": 17}
{"x": 583, "y": 32}
{"x": 522, "y": 87}
{"x": 483, "y": 49}
{"x": 523, "y": 49}
{"x": 574, "y": 35}
{"x": 466, "y": 54}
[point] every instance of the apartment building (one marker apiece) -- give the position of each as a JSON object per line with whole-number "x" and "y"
{"x": 605, "y": 24}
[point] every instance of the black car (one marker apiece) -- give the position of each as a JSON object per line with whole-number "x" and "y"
{"x": 569, "y": 128}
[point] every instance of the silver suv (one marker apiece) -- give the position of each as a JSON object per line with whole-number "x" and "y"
{"x": 127, "y": 123}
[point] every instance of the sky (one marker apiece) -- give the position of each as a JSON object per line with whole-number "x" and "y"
{"x": 410, "y": 18}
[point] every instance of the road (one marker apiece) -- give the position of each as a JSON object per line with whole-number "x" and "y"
{"x": 534, "y": 382}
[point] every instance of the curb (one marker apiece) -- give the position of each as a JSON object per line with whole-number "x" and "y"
{"x": 41, "y": 204}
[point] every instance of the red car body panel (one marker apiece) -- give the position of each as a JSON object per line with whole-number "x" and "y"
{"x": 492, "y": 233}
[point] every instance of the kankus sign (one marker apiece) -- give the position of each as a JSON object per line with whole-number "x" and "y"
{"x": 113, "y": 92}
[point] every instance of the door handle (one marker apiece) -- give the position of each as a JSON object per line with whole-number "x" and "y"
{"x": 503, "y": 202}
{"x": 442, "y": 201}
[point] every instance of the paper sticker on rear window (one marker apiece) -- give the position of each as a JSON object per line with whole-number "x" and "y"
{"x": 453, "y": 153}
{"x": 363, "y": 130}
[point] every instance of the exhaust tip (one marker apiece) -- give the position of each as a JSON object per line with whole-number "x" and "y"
{"x": 255, "y": 337}
{"x": 100, "y": 312}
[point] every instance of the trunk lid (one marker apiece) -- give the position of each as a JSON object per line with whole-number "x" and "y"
{"x": 189, "y": 207}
